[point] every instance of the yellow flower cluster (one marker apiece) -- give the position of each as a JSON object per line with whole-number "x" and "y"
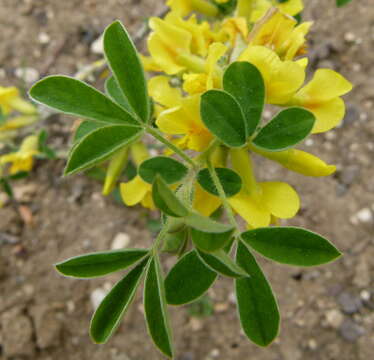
{"x": 17, "y": 113}
{"x": 190, "y": 52}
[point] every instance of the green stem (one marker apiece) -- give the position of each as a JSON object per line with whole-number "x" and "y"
{"x": 202, "y": 158}
{"x": 161, "y": 235}
{"x": 222, "y": 194}
{"x": 170, "y": 145}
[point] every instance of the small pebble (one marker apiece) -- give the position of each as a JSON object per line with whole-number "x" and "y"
{"x": 351, "y": 331}
{"x": 44, "y": 38}
{"x": 334, "y": 318}
{"x": 97, "y": 47}
{"x": 363, "y": 216}
{"x": 365, "y": 295}
{"x": 97, "y": 296}
{"x": 120, "y": 241}
{"x": 27, "y": 74}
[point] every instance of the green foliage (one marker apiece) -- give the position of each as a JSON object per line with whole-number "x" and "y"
{"x": 221, "y": 262}
{"x": 169, "y": 169}
{"x": 100, "y": 263}
{"x": 291, "y": 245}
{"x": 244, "y": 82}
{"x": 233, "y": 115}
{"x": 86, "y": 127}
{"x": 210, "y": 242}
{"x": 43, "y": 147}
{"x": 258, "y": 309}
{"x": 340, "y": 3}
{"x": 127, "y": 69}
{"x": 230, "y": 180}
{"x": 74, "y": 97}
{"x": 165, "y": 199}
{"x": 223, "y": 116}
{"x": 155, "y": 308}
{"x": 113, "y": 90}
{"x": 188, "y": 279}
{"x": 114, "y": 306}
{"x": 286, "y": 129}
{"x": 99, "y": 145}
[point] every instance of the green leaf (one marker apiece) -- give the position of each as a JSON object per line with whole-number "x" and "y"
{"x": 98, "y": 145}
{"x": 168, "y": 168}
{"x": 230, "y": 181}
{"x": 100, "y": 263}
{"x": 114, "y": 91}
{"x": 210, "y": 242}
{"x": 114, "y": 306}
{"x": 165, "y": 199}
{"x": 258, "y": 309}
{"x": 205, "y": 224}
{"x": 286, "y": 129}
{"x": 174, "y": 242}
{"x": 223, "y": 116}
{"x": 291, "y": 245}
{"x": 7, "y": 187}
{"x": 222, "y": 263}
{"x": 188, "y": 279}
{"x": 74, "y": 97}
{"x": 155, "y": 308}
{"x": 19, "y": 175}
{"x": 340, "y": 3}
{"x": 86, "y": 127}
{"x": 244, "y": 82}
{"x": 127, "y": 68}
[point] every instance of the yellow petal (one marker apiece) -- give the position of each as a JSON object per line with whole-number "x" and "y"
{"x": 250, "y": 209}
{"x": 325, "y": 85}
{"x": 139, "y": 153}
{"x": 328, "y": 114}
{"x": 174, "y": 37}
{"x": 147, "y": 201}
{"x": 134, "y": 191}
{"x": 162, "y": 56}
{"x": 205, "y": 203}
{"x": 216, "y": 51}
{"x": 282, "y": 78}
{"x": 174, "y": 121}
{"x": 281, "y": 199}
{"x": 290, "y": 7}
{"x": 242, "y": 164}
{"x": 161, "y": 91}
{"x": 299, "y": 161}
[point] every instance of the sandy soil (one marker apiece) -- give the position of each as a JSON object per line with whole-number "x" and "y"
{"x": 327, "y": 312}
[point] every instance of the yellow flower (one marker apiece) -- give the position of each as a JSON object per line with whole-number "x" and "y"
{"x": 116, "y": 166}
{"x": 299, "y": 161}
{"x": 212, "y": 77}
{"x": 282, "y": 78}
{"x": 201, "y": 34}
{"x": 10, "y": 99}
{"x": 279, "y": 32}
{"x": 234, "y": 27}
{"x": 322, "y": 97}
{"x": 185, "y": 120}
{"x": 205, "y": 203}
{"x": 162, "y": 93}
{"x": 137, "y": 190}
{"x": 259, "y": 203}
{"x": 184, "y": 7}
{"x": 255, "y": 9}
{"x": 166, "y": 43}
{"x": 176, "y": 44}
{"x": 22, "y": 160}
{"x": 18, "y": 122}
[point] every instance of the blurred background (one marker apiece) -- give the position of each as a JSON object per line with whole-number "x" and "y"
{"x": 328, "y": 312}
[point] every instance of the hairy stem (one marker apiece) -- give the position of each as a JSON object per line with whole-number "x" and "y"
{"x": 171, "y": 146}
{"x": 222, "y": 194}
